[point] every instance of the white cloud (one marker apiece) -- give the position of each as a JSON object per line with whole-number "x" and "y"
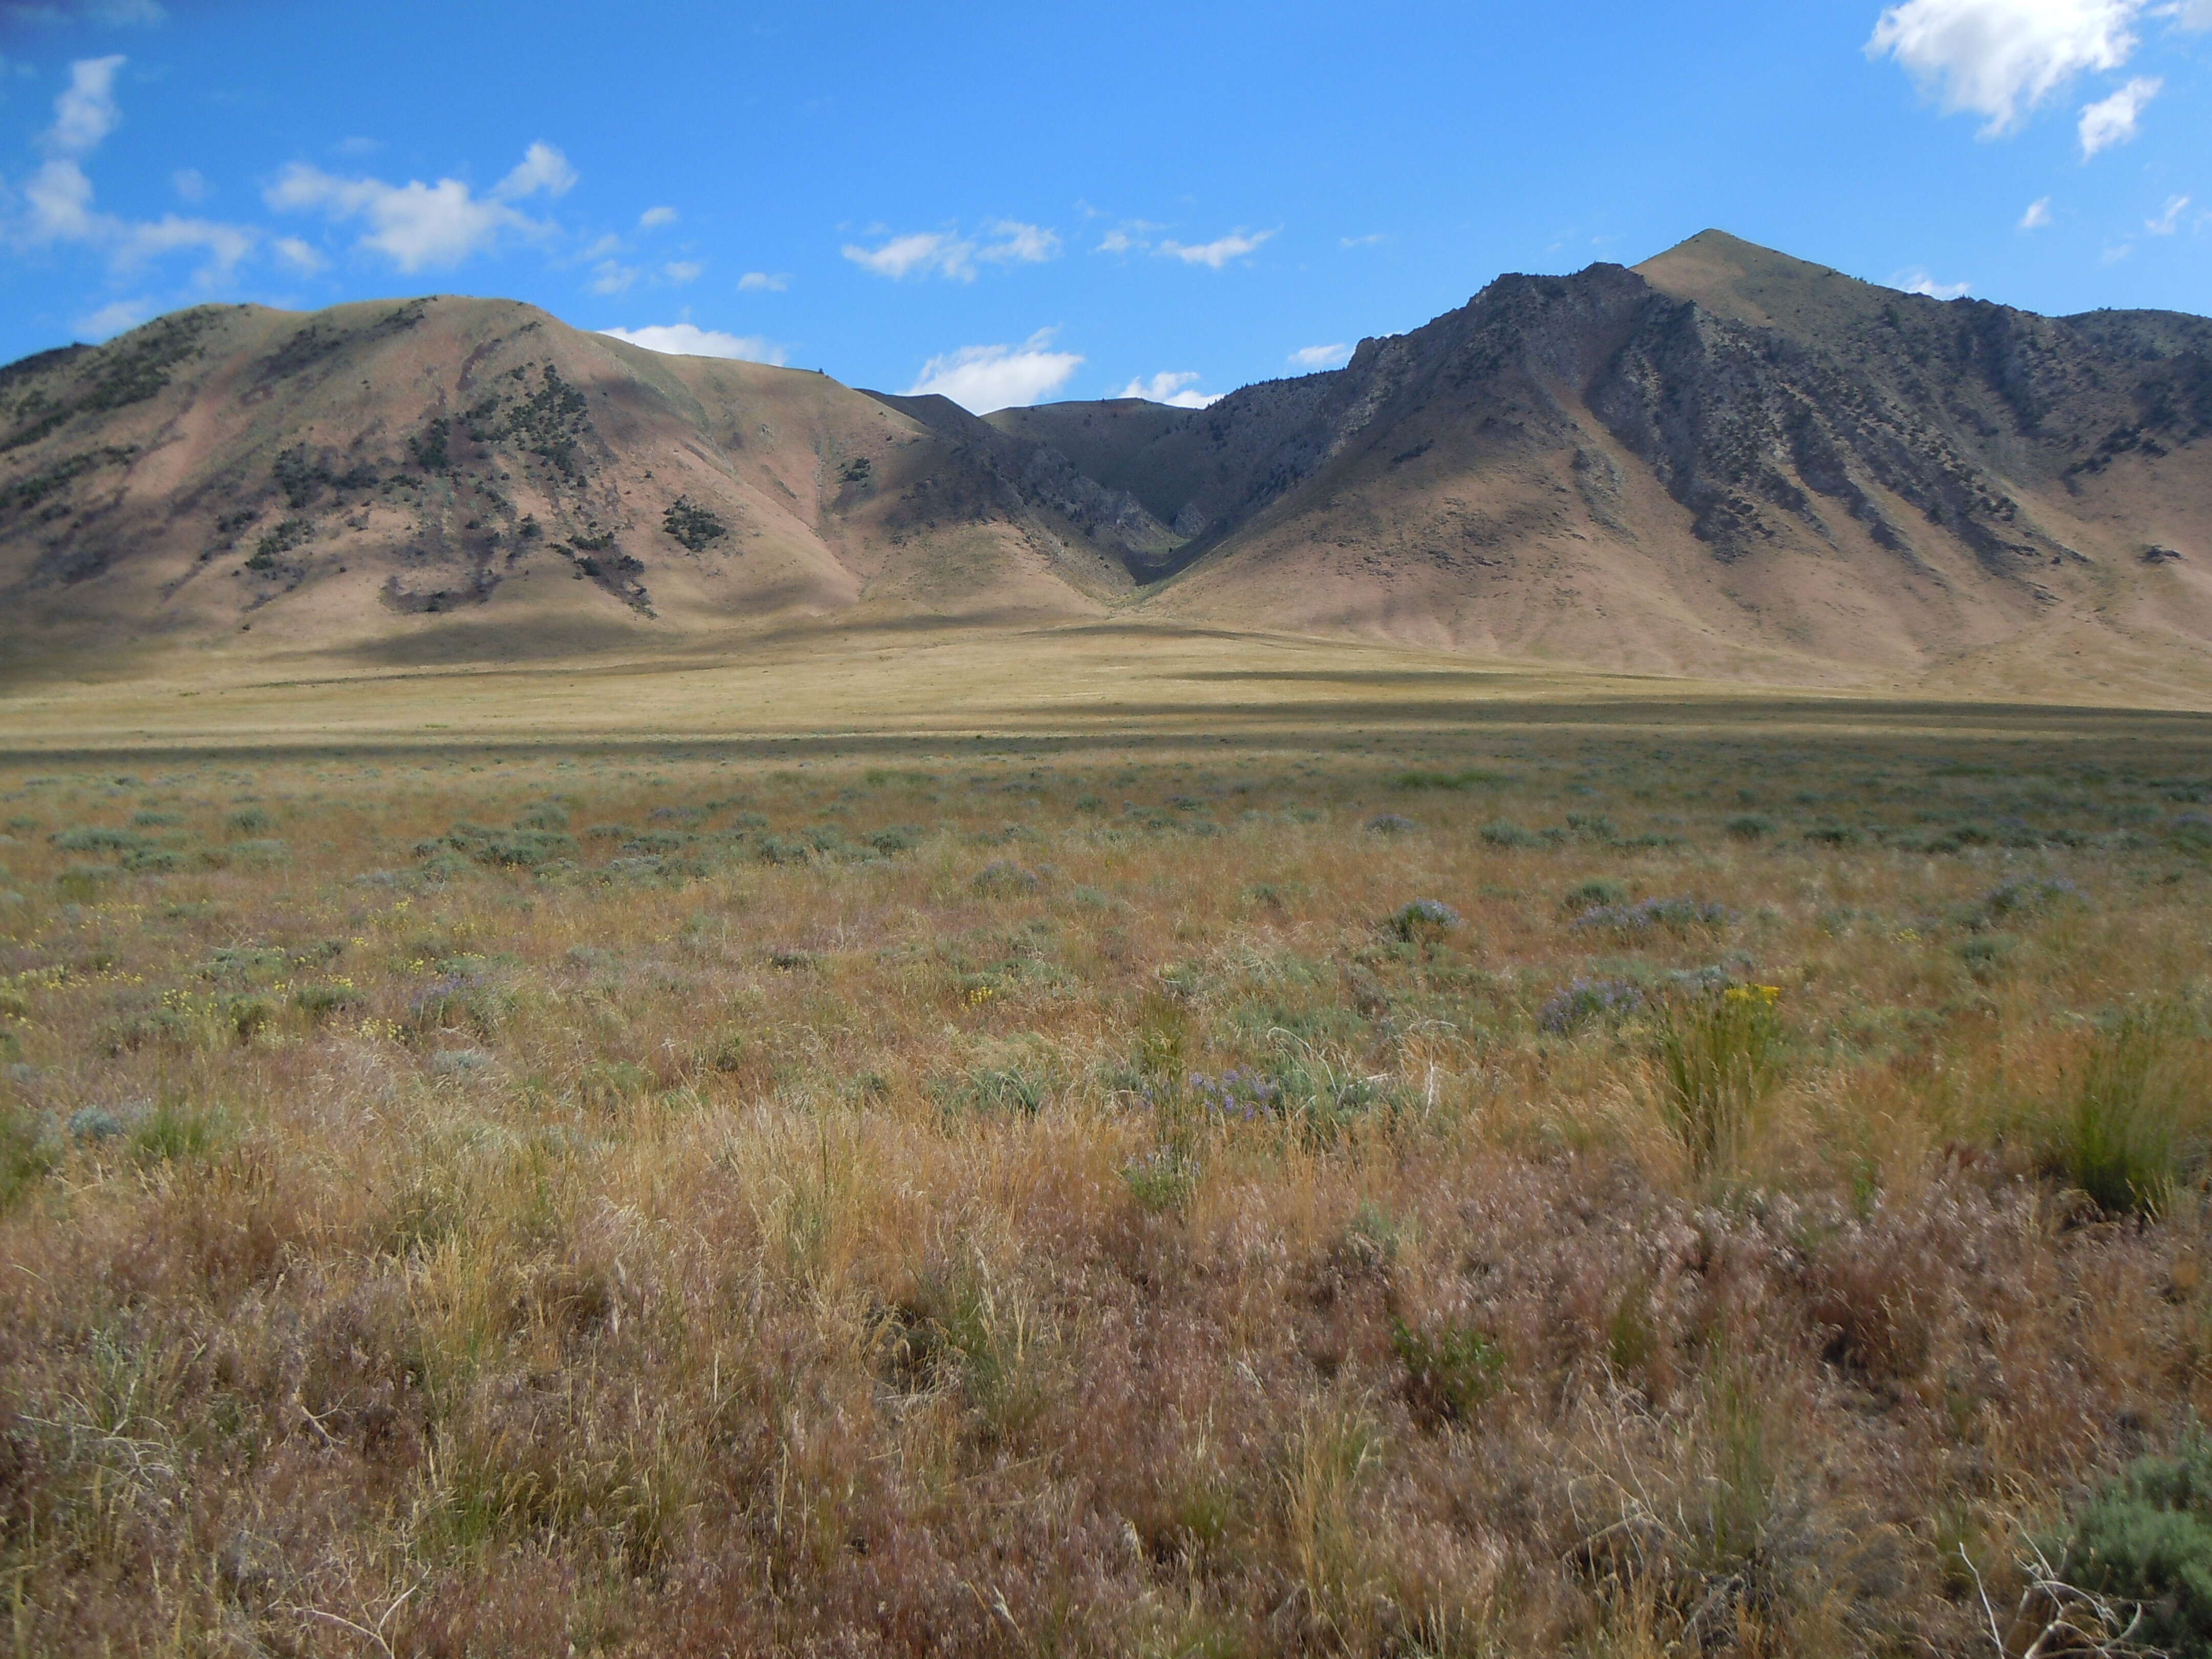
{"x": 1217, "y": 253}
{"x": 683, "y": 271}
{"x": 1176, "y": 389}
{"x": 653, "y": 218}
{"x": 2113, "y": 256}
{"x": 2170, "y": 221}
{"x": 415, "y": 224}
{"x": 1322, "y": 356}
{"x": 1917, "y": 281}
{"x": 189, "y": 183}
{"x": 2112, "y": 120}
{"x": 87, "y": 11}
{"x": 948, "y": 253}
{"x": 2189, "y": 14}
{"x": 301, "y": 256}
{"x": 1020, "y": 244}
{"x": 87, "y": 112}
{"x": 689, "y": 340}
{"x": 1368, "y": 240}
{"x": 758, "y": 282}
{"x": 225, "y": 245}
{"x": 2038, "y": 215}
{"x": 117, "y": 317}
{"x": 1130, "y": 236}
{"x": 980, "y": 378}
{"x": 2001, "y": 59}
{"x": 57, "y": 197}
{"x": 542, "y": 169}
{"x": 354, "y": 149}
{"x": 917, "y": 255}
{"x": 610, "y": 276}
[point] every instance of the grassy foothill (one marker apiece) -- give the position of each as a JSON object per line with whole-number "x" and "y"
{"x": 1603, "y": 1179}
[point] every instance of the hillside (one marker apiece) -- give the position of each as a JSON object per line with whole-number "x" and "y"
{"x": 473, "y": 475}
{"x": 1724, "y": 462}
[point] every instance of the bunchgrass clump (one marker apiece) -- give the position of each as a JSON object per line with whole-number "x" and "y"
{"x": 2128, "y": 1127}
{"x": 1719, "y": 1057}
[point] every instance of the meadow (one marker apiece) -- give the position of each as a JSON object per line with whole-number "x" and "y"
{"x": 1359, "y": 1161}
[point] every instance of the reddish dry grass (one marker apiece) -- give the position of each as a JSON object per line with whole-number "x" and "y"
{"x": 728, "y": 1298}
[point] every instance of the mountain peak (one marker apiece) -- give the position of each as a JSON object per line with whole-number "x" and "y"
{"x": 1750, "y": 284}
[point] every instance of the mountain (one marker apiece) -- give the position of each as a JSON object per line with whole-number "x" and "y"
{"x": 1724, "y": 461}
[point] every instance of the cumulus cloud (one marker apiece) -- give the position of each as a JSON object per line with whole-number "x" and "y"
{"x": 1917, "y": 281}
{"x": 2001, "y": 59}
{"x": 1322, "y": 356}
{"x": 2170, "y": 221}
{"x": 415, "y": 225}
{"x": 683, "y": 271}
{"x": 57, "y": 197}
{"x": 983, "y": 378}
{"x": 949, "y": 254}
{"x": 2112, "y": 120}
{"x": 2038, "y": 215}
{"x": 86, "y": 112}
{"x": 1178, "y": 390}
{"x": 1215, "y": 253}
{"x": 543, "y": 170}
{"x": 653, "y": 218}
{"x": 689, "y": 340}
{"x": 762, "y": 281}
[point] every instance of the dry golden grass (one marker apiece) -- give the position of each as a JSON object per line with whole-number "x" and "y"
{"x": 791, "y": 1176}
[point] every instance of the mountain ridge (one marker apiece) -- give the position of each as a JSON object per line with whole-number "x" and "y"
{"x": 1723, "y": 460}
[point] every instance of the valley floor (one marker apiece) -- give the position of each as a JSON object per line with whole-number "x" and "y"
{"x": 1095, "y": 1140}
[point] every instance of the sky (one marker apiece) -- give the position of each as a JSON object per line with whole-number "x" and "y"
{"x": 1012, "y": 203}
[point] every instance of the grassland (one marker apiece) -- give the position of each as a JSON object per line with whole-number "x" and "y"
{"x": 1096, "y": 1142}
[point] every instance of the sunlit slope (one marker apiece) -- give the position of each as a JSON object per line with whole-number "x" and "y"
{"x": 354, "y": 477}
{"x": 1725, "y": 463}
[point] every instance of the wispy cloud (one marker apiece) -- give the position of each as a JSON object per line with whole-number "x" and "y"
{"x": 689, "y": 340}
{"x": 2112, "y": 120}
{"x": 763, "y": 282}
{"x": 1136, "y": 236}
{"x": 1178, "y": 389}
{"x": 117, "y": 316}
{"x": 1368, "y": 240}
{"x": 653, "y": 218}
{"x": 1322, "y": 356}
{"x": 2038, "y": 215}
{"x": 917, "y": 254}
{"x": 683, "y": 271}
{"x": 2170, "y": 221}
{"x": 983, "y": 378}
{"x": 1218, "y": 253}
{"x": 950, "y": 254}
{"x": 302, "y": 256}
{"x": 1917, "y": 281}
{"x": 612, "y": 276}
{"x": 417, "y": 225}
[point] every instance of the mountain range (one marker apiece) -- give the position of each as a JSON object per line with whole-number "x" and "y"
{"x": 1724, "y": 462}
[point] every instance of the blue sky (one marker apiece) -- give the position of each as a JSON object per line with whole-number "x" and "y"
{"x": 1019, "y": 202}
